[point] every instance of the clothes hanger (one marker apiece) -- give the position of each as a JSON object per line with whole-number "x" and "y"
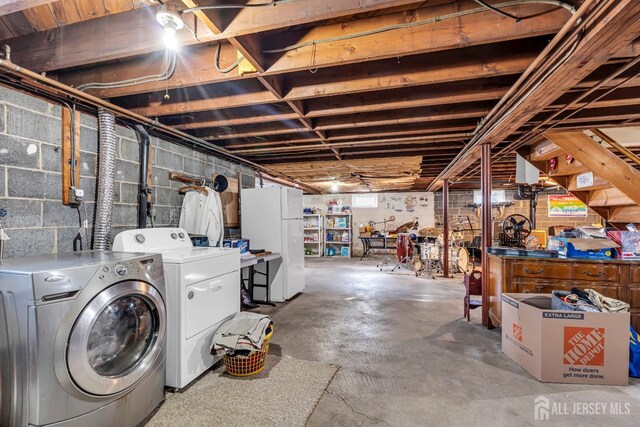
{"x": 195, "y": 188}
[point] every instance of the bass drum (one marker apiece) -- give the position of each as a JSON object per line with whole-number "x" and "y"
{"x": 463, "y": 261}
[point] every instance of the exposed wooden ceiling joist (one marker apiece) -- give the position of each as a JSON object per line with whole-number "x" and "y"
{"x": 616, "y": 25}
{"x": 11, "y": 6}
{"x": 420, "y": 88}
{"x": 196, "y": 67}
{"x": 481, "y": 28}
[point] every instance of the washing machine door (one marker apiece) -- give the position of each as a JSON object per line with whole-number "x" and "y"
{"x": 117, "y": 338}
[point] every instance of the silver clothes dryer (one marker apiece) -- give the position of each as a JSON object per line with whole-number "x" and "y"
{"x": 82, "y": 339}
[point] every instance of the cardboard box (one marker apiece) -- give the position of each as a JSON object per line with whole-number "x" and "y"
{"x": 242, "y": 244}
{"x": 582, "y": 248}
{"x": 630, "y": 244}
{"x": 365, "y": 234}
{"x": 571, "y": 347}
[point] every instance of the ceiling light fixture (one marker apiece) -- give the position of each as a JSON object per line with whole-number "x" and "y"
{"x": 335, "y": 187}
{"x": 171, "y": 22}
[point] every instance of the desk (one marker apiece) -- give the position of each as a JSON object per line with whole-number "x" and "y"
{"x": 615, "y": 278}
{"x": 377, "y": 242}
{"x": 250, "y": 263}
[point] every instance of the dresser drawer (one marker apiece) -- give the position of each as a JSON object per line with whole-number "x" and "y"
{"x": 546, "y": 286}
{"x": 568, "y": 270}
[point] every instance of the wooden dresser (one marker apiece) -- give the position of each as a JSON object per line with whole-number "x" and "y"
{"x": 614, "y": 278}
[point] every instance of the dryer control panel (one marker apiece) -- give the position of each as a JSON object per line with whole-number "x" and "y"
{"x": 151, "y": 240}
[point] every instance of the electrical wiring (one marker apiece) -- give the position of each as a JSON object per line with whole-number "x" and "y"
{"x": 235, "y": 6}
{"x": 231, "y": 67}
{"x": 84, "y": 225}
{"x": 498, "y": 11}
{"x": 171, "y": 58}
{"x": 432, "y": 20}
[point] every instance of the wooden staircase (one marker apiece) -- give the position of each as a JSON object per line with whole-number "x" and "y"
{"x": 607, "y": 182}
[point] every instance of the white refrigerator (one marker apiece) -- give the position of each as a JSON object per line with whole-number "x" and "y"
{"x": 271, "y": 219}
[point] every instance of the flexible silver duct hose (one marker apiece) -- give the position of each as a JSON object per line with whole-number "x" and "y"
{"x": 106, "y": 179}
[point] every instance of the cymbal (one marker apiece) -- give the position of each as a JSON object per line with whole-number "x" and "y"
{"x": 406, "y": 227}
{"x": 429, "y": 232}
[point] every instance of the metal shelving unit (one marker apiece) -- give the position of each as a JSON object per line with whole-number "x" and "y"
{"x": 331, "y": 222}
{"x": 313, "y": 228}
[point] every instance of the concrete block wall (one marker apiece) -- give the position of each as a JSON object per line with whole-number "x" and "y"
{"x": 31, "y": 176}
{"x": 460, "y": 199}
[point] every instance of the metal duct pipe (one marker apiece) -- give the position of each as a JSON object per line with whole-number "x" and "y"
{"x": 106, "y": 179}
{"x": 144, "y": 190}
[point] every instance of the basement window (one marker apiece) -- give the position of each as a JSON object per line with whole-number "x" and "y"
{"x": 497, "y": 196}
{"x": 364, "y": 201}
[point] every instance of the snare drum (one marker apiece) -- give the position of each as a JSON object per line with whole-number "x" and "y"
{"x": 429, "y": 251}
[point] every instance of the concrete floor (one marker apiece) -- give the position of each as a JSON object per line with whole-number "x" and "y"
{"x": 408, "y": 358}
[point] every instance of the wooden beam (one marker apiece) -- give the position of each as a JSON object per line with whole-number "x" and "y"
{"x": 251, "y": 131}
{"x": 136, "y": 32}
{"x": 11, "y": 6}
{"x": 158, "y": 108}
{"x": 70, "y": 152}
{"x": 418, "y": 140}
{"x": 598, "y": 184}
{"x": 481, "y": 28}
{"x": 196, "y": 67}
{"x": 439, "y": 67}
{"x": 406, "y": 98}
{"x": 543, "y": 150}
{"x": 624, "y": 214}
{"x": 285, "y": 142}
{"x": 609, "y": 197}
{"x": 255, "y": 20}
{"x": 398, "y": 117}
{"x": 600, "y": 161}
{"x": 101, "y": 39}
{"x": 430, "y": 128}
{"x": 238, "y": 121}
{"x": 431, "y": 95}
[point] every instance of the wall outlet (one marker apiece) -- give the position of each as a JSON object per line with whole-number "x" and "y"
{"x": 76, "y": 195}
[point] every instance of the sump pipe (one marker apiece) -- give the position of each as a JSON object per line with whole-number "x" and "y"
{"x": 106, "y": 179}
{"x": 144, "y": 190}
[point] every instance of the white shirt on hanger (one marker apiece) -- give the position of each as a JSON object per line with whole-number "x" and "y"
{"x": 202, "y": 214}
{"x": 192, "y": 208}
{"x": 212, "y": 222}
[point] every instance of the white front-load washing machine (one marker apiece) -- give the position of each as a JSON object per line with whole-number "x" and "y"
{"x": 82, "y": 339}
{"x": 203, "y": 290}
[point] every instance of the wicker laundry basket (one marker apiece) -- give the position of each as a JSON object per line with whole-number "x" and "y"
{"x": 254, "y": 363}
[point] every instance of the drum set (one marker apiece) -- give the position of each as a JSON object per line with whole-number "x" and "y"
{"x": 423, "y": 253}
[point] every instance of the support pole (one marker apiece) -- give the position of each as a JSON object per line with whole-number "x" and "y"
{"x": 487, "y": 229}
{"x": 445, "y": 226}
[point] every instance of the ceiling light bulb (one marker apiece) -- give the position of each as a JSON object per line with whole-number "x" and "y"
{"x": 169, "y": 38}
{"x": 171, "y": 22}
{"x": 335, "y": 187}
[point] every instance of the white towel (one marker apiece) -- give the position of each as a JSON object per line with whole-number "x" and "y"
{"x": 246, "y": 331}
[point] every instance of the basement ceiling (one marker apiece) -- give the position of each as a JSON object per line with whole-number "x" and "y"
{"x": 333, "y": 86}
{"x": 360, "y": 175}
